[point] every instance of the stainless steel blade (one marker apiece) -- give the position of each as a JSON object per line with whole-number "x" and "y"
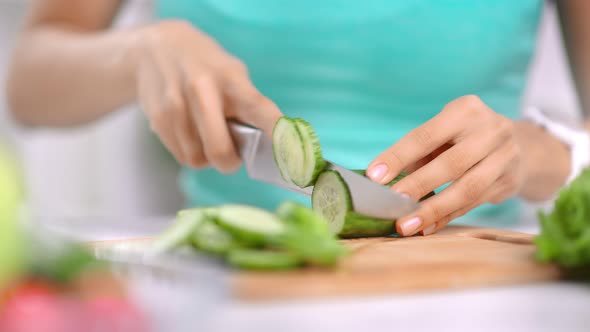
{"x": 372, "y": 199}
{"x": 368, "y": 197}
{"x": 256, "y": 153}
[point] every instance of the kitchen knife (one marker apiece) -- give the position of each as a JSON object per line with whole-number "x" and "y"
{"x": 368, "y": 197}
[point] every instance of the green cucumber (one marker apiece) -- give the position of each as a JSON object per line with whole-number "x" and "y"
{"x": 314, "y": 161}
{"x": 179, "y": 233}
{"x": 211, "y": 238}
{"x": 297, "y": 151}
{"x": 249, "y": 224}
{"x": 308, "y": 235}
{"x": 358, "y": 225}
{"x": 331, "y": 199}
{"x": 303, "y": 217}
{"x": 262, "y": 259}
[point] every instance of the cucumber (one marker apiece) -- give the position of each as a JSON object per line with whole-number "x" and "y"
{"x": 358, "y": 225}
{"x": 211, "y": 238}
{"x": 179, "y": 233}
{"x": 314, "y": 161}
{"x": 304, "y": 217}
{"x": 297, "y": 151}
{"x": 331, "y": 199}
{"x": 262, "y": 259}
{"x": 309, "y": 236}
{"x": 249, "y": 224}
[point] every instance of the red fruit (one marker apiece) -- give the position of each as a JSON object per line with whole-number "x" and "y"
{"x": 113, "y": 314}
{"x": 33, "y": 307}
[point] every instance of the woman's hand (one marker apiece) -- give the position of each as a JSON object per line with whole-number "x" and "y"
{"x": 188, "y": 86}
{"x": 467, "y": 144}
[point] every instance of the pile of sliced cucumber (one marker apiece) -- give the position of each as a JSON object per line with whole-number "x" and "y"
{"x": 299, "y": 158}
{"x": 252, "y": 238}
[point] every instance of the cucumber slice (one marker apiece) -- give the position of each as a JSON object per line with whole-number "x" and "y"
{"x": 303, "y": 217}
{"x": 309, "y": 235}
{"x": 331, "y": 199}
{"x": 249, "y": 224}
{"x": 358, "y": 225}
{"x": 314, "y": 162}
{"x": 211, "y": 238}
{"x": 262, "y": 259}
{"x": 179, "y": 233}
{"x": 297, "y": 151}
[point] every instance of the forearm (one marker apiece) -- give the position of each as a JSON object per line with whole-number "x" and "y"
{"x": 62, "y": 77}
{"x": 546, "y": 162}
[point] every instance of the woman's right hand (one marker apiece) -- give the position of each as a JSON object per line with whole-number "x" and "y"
{"x": 188, "y": 86}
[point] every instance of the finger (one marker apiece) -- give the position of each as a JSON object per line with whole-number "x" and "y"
{"x": 460, "y": 193}
{"x": 161, "y": 123}
{"x": 420, "y": 163}
{"x": 448, "y": 166}
{"x": 207, "y": 111}
{"x": 440, "y": 224}
{"x": 187, "y": 136}
{"x": 174, "y": 103}
{"x": 246, "y": 103}
{"x": 446, "y": 126}
{"x": 150, "y": 86}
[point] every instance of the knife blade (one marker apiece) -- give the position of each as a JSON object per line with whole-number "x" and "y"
{"x": 368, "y": 197}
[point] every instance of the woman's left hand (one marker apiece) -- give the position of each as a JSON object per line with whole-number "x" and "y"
{"x": 467, "y": 144}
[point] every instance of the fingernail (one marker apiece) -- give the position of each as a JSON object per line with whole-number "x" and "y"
{"x": 429, "y": 230}
{"x": 377, "y": 172}
{"x": 410, "y": 226}
{"x": 402, "y": 194}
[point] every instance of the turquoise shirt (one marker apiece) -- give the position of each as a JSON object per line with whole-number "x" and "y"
{"x": 364, "y": 73}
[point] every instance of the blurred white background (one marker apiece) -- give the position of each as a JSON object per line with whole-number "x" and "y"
{"x": 114, "y": 167}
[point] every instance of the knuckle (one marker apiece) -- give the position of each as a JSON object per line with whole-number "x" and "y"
{"x": 471, "y": 189}
{"x": 471, "y": 102}
{"x": 203, "y": 78}
{"x": 417, "y": 188}
{"x": 222, "y": 154}
{"x": 504, "y": 127}
{"x": 422, "y": 136}
{"x": 456, "y": 164}
{"x": 435, "y": 212}
{"x": 172, "y": 102}
{"x": 394, "y": 159}
{"x": 234, "y": 66}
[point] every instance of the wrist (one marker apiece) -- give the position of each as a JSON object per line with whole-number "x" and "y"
{"x": 546, "y": 162}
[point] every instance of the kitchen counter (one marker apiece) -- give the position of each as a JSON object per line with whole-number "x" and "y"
{"x": 205, "y": 306}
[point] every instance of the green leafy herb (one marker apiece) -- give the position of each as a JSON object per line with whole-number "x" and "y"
{"x": 565, "y": 232}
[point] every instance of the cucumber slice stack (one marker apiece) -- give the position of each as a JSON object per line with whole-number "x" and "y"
{"x": 297, "y": 151}
{"x": 248, "y": 237}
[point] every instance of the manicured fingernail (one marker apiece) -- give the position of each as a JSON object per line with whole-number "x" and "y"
{"x": 377, "y": 172}
{"x": 403, "y": 194}
{"x": 410, "y": 226}
{"x": 429, "y": 230}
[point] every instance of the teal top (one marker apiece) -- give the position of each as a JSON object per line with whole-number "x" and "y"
{"x": 364, "y": 73}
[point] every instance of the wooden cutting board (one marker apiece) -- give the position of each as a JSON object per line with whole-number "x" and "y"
{"x": 457, "y": 257}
